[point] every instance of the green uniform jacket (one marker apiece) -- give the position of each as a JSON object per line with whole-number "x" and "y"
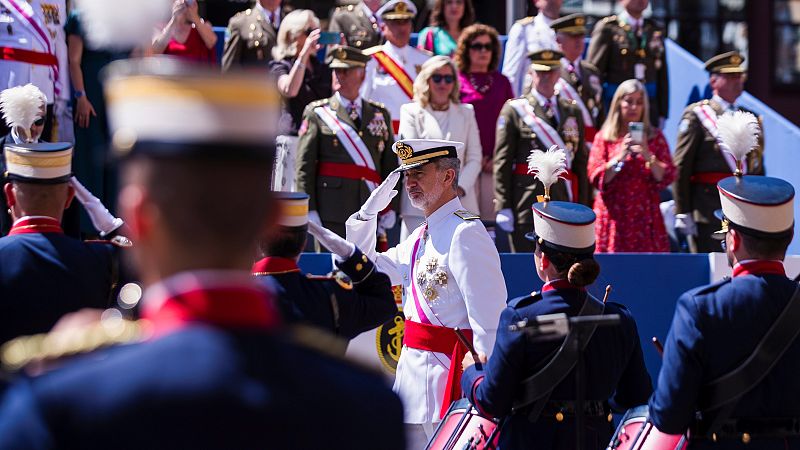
{"x": 590, "y": 88}
{"x": 615, "y": 52}
{"x": 515, "y": 140}
{"x": 697, "y": 151}
{"x": 335, "y": 198}
{"x": 360, "y": 30}
{"x": 249, "y": 40}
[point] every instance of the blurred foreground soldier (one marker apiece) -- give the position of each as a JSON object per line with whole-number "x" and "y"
{"x": 356, "y": 299}
{"x": 699, "y": 159}
{"x": 564, "y": 257}
{"x": 450, "y": 272}
{"x": 580, "y": 80}
{"x": 216, "y": 372}
{"x": 44, "y": 273}
{"x": 539, "y": 120}
{"x": 395, "y": 64}
{"x": 359, "y": 23}
{"x": 344, "y": 148}
{"x": 528, "y": 35}
{"x": 629, "y": 46}
{"x": 251, "y": 34}
{"x": 733, "y": 351}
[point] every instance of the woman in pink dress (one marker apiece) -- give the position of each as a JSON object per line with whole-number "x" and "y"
{"x": 628, "y": 175}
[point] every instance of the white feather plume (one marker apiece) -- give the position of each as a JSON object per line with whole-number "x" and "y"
{"x": 738, "y": 133}
{"x": 122, "y": 24}
{"x": 548, "y": 166}
{"x": 22, "y": 105}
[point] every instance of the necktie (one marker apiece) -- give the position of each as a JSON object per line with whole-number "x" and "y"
{"x": 352, "y": 111}
{"x": 272, "y": 19}
{"x": 549, "y": 111}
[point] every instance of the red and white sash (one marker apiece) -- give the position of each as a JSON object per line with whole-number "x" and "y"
{"x": 350, "y": 139}
{"x": 569, "y": 92}
{"x": 24, "y": 13}
{"x": 708, "y": 118}
{"x": 544, "y": 133}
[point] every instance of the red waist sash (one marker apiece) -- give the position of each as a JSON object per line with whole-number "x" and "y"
{"x": 28, "y": 56}
{"x": 708, "y": 177}
{"x": 522, "y": 169}
{"x": 438, "y": 339}
{"x": 349, "y": 171}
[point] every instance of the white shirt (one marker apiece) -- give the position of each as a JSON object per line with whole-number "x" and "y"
{"x": 725, "y": 105}
{"x": 636, "y": 24}
{"x": 346, "y": 103}
{"x": 543, "y": 100}
{"x": 525, "y": 37}
{"x": 276, "y": 14}
{"x": 473, "y": 297}
{"x": 379, "y": 86}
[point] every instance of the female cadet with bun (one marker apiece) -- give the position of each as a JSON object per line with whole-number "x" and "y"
{"x": 614, "y": 366}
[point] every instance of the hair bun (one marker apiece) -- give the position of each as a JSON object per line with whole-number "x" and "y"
{"x": 583, "y": 272}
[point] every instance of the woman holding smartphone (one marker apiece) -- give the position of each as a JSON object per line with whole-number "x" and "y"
{"x": 629, "y": 164}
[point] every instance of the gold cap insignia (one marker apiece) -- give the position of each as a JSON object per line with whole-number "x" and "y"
{"x": 404, "y": 151}
{"x": 736, "y": 59}
{"x": 401, "y": 7}
{"x": 547, "y": 55}
{"x": 341, "y": 54}
{"x": 580, "y": 21}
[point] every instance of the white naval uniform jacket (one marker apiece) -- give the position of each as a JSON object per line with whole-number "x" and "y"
{"x": 474, "y": 297}
{"x": 526, "y": 35}
{"x": 381, "y": 87}
{"x": 20, "y": 34}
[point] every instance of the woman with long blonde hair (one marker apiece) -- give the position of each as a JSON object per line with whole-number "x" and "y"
{"x": 629, "y": 165}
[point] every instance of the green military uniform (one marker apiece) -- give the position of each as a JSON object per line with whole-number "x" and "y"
{"x": 700, "y": 163}
{"x": 325, "y": 169}
{"x": 517, "y": 190}
{"x": 616, "y": 49}
{"x": 249, "y": 39}
{"x": 360, "y": 28}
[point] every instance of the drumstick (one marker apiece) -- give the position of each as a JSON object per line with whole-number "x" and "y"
{"x": 659, "y": 347}
{"x": 468, "y": 345}
{"x": 608, "y": 291}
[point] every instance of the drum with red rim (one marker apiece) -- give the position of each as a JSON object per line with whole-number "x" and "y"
{"x": 463, "y": 427}
{"x": 636, "y": 432}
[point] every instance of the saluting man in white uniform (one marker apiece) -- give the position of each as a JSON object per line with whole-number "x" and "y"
{"x": 450, "y": 272}
{"x": 395, "y": 64}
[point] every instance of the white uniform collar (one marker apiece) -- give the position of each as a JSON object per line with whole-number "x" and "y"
{"x": 635, "y": 23}
{"x": 392, "y": 50}
{"x": 543, "y": 19}
{"x": 443, "y": 211}
{"x": 725, "y": 105}
{"x": 542, "y": 99}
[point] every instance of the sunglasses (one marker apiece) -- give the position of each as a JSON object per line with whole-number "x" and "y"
{"x": 39, "y": 122}
{"x": 438, "y": 78}
{"x": 478, "y": 47}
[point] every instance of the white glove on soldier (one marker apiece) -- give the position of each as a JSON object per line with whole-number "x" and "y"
{"x": 336, "y": 244}
{"x": 685, "y": 223}
{"x": 103, "y": 221}
{"x": 505, "y": 220}
{"x": 379, "y": 198}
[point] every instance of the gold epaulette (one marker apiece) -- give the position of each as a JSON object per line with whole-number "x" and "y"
{"x": 376, "y": 104}
{"x": 19, "y": 352}
{"x": 526, "y": 20}
{"x": 372, "y": 50}
{"x": 466, "y": 215}
{"x": 609, "y": 19}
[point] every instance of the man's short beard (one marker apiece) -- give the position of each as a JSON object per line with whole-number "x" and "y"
{"x": 427, "y": 198}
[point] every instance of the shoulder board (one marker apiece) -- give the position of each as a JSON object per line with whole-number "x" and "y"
{"x": 466, "y": 215}
{"x": 376, "y": 104}
{"x": 423, "y": 51}
{"x": 525, "y": 300}
{"x": 712, "y": 287}
{"x": 339, "y": 277}
{"x": 319, "y": 277}
{"x": 590, "y": 66}
{"x": 372, "y": 50}
{"x": 318, "y": 103}
{"x": 525, "y": 20}
{"x": 608, "y": 19}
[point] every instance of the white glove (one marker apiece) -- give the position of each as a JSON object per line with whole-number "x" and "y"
{"x": 685, "y": 223}
{"x": 379, "y": 198}
{"x": 505, "y": 220}
{"x": 313, "y": 217}
{"x": 340, "y": 247}
{"x": 387, "y": 220}
{"x": 103, "y": 221}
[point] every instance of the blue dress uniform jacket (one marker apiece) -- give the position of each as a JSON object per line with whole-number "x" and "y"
{"x": 614, "y": 365}
{"x": 46, "y": 275}
{"x": 329, "y": 303}
{"x": 204, "y": 386}
{"x": 715, "y": 328}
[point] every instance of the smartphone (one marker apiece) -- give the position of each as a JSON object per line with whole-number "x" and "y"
{"x": 329, "y": 38}
{"x": 637, "y": 131}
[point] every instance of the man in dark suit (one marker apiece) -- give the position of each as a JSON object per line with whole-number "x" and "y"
{"x": 344, "y": 149}
{"x": 359, "y": 23}
{"x": 46, "y": 274}
{"x": 345, "y": 306}
{"x": 536, "y": 121}
{"x": 217, "y": 372}
{"x": 251, "y": 34}
{"x": 700, "y": 162}
{"x": 719, "y": 328}
{"x": 628, "y": 46}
